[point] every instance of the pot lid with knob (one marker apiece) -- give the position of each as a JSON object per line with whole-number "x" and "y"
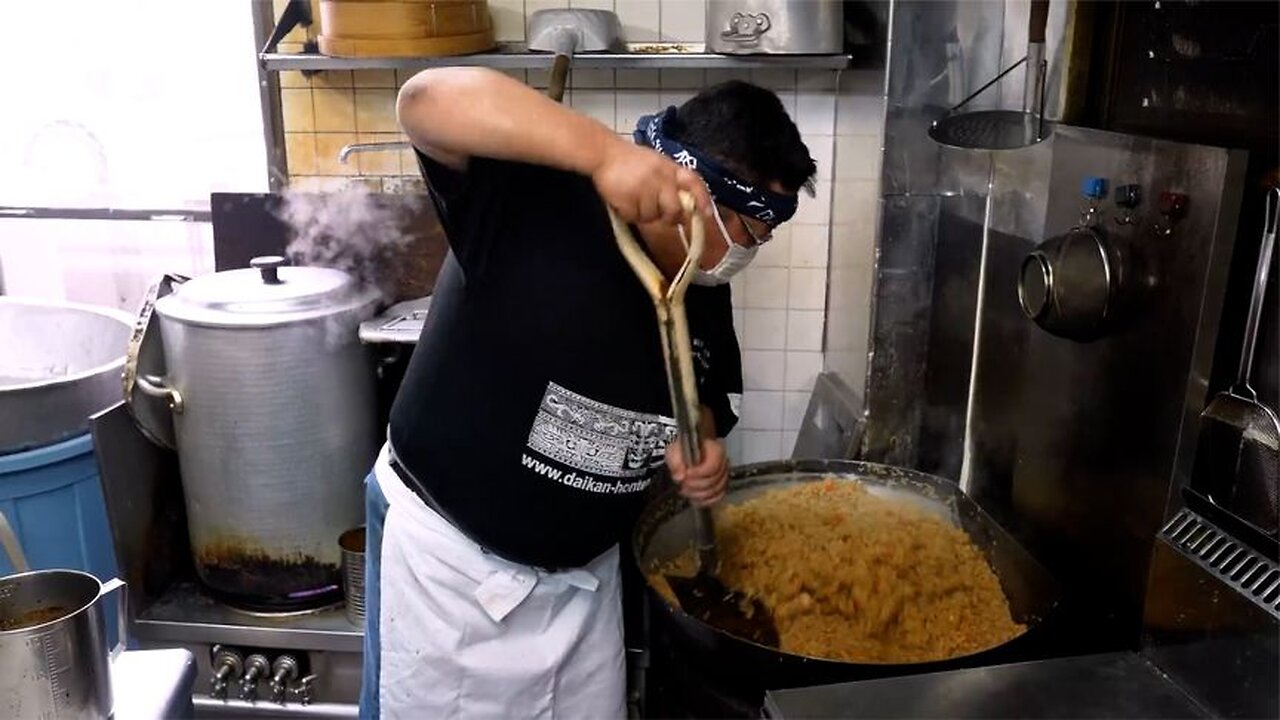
{"x": 271, "y": 292}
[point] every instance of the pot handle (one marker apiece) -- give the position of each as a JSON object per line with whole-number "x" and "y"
{"x": 122, "y": 613}
{"x": 13, "y": 548}
{"x": 157, "y": 387}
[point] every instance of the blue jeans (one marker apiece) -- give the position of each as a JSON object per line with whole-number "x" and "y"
{"x": 375, "y": 509}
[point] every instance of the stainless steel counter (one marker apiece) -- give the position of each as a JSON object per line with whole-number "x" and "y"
{"x": 186, "y": 615}
{"x": 153, "y": 684}
{"x": 1114, "y": 685}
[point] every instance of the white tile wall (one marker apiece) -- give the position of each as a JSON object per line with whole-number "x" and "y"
{"x": 640, "y": 19}
{"x": 815, "y": 210}
{"x": 777, "y": 252}
{"x": 760, "y": 446}
{"x": 766, "y": 287}
{"x": 794, "y": 405}
{"x": 816, "y": 112}
{"x": 764, "y": 369}
{"x": 683, "y": 20}
{"x": 631, "y": 105}
{"x": 808, "y": 246}
{"x": 679, "y": 79}
{"x": 762, "y": 410}
{"x": 804, "y": 330}
{"x": 802, "y": 368}
{"x": 859, "y": 157}
{"x": 508, "y": 20}
{"x": 859, "y": 123}
{"x": 765, "y": 330}
{"x": 599, "y": 104}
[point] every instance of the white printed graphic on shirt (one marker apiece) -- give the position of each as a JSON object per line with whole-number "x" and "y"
{"x": 597, "y": 439}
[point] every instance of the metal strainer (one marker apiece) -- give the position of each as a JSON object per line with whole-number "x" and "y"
{"x": 1004, "y": 129}
{"x": 1244, "y": 434}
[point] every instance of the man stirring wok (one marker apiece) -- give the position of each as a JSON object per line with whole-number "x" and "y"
{"x": 535, "y": 409}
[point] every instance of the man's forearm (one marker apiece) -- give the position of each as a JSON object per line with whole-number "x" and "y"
{"x": 707, "y": 423}
{"x": 455, "y": 113}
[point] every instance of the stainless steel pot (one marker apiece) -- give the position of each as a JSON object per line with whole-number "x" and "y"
{"x": 274, "y": 421}
{"x": 59, "y": 364}
{"x": 775, "y": 27}
{"x": 709, "y": 672}
{"x": 58, "y": 667}
{"x": 1070, "y": 284}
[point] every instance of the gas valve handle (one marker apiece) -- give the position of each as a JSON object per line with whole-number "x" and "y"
{"x": 284, "y": 669}
{"x": 256, "y": 666}
{"x": 227, "y": 667}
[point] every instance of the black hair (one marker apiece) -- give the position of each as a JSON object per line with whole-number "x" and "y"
{"x": 746, "y": 128}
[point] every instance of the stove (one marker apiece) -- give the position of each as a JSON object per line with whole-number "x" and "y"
{"x": 247, "y": 664}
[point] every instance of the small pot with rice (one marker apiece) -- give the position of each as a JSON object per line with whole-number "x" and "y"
{"x": 869, "y": 571}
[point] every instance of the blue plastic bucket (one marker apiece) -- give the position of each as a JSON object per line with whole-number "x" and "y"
{"x": 53, "y": 499}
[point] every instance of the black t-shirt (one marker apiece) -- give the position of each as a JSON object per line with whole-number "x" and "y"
{"x": 535, "y": 409}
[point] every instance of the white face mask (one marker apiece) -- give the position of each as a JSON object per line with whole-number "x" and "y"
{"x": 735, "y": 259}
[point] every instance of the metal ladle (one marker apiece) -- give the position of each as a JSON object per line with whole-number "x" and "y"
{"x": 13, "y": 548}
{"x": 1004, "y": 129}
{"x": 703, "y": 596}
{"x": 567, "y": 32}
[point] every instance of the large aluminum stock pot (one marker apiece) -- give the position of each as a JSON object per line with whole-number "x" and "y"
{"x": 274, "y": 420}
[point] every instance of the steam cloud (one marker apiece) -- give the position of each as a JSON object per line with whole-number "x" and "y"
{"x": 350, "y": 230}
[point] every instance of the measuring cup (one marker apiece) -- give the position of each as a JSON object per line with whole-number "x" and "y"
{"x": 53, "y": 640}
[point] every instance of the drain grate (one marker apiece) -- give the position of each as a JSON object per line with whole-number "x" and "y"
{"x": 1233, "y": 562}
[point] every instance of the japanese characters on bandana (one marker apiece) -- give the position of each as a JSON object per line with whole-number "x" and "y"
{"x": 762, "y": 204}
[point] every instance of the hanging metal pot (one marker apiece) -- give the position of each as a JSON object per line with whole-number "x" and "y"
{"x": 1071, "y": 284}
{"x": 272, "y": 401}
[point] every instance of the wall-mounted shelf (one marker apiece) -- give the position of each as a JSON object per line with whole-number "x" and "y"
{"x": 512, "y": 56}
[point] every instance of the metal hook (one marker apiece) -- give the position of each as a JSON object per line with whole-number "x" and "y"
{"x": 1272, "y": 211}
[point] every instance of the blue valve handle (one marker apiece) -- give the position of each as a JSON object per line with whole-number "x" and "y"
{"x": 1094, "y": 187}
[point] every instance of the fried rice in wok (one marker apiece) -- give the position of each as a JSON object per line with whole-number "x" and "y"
{"x": 852, "y": 576}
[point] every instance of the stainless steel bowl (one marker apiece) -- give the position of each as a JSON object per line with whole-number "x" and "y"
{"x": 59, "y": 364}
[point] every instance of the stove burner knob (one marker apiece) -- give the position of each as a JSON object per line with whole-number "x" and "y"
{"x": 227, "y": 667}
{"x": 284, "y": 670}
{"x": 255, "y": 667}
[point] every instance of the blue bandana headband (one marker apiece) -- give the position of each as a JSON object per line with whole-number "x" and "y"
{"x": 764, "y": 205}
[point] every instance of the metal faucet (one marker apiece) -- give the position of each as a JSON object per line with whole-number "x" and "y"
{"x": 304, "y": 691}
{"x": 352, "y": 148}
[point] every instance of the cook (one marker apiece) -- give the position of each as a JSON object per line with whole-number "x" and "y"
{"x": 535, "y": 411}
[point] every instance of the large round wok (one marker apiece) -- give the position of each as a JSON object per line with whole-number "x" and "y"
{"x": 744, "y": 669}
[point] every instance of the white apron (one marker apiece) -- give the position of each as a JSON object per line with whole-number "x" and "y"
{"x": 465, "y": 634}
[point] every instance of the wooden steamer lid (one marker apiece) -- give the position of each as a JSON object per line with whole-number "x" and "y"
{"x": 404, "y": 28}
